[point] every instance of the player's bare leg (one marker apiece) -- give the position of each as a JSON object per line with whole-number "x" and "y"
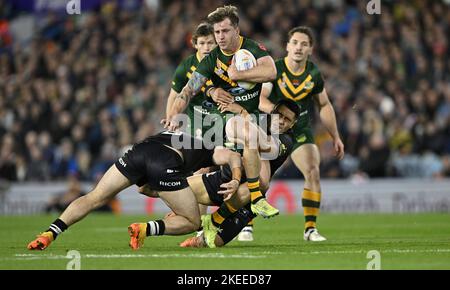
{"x": 109, "y": 186}
{"x": 184, "y": 204}
{"x": 242, "y": 131}
{"x": 202, "y": 207}
{"x": 199, "y": 189}
{"x": 307, "y": 160}
{"x": 210, "y": 229}
{"x": 186, "y": 218}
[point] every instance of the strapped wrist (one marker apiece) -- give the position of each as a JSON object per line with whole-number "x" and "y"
{"x": 209, "y": 90}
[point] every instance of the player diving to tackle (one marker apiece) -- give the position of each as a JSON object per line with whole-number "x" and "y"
{"x": 218, "y": 67}
{"x": 162, "y": 162}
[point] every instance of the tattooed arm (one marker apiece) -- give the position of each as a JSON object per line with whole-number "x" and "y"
{"x": 192, "y": 88}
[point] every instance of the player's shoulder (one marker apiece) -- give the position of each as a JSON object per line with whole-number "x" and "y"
{"x": 252, "y": 45}
{"x": 312, "y": 66}
{"x": 281, "y": 67}
{"x": 280, "y": 63}
{"x": 313, "y": 69}
{"x": 190, "y": 59}
{"x": 186, "y": 63}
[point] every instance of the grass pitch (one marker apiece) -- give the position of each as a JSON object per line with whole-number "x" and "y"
{"x": 419, "y": 241}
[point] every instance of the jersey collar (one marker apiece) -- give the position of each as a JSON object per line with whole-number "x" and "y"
{"x": 291, "y": 71}
{"x": 197, "y": 55}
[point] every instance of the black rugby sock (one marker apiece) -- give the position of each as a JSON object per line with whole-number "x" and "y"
{"x": 57, "y": 227}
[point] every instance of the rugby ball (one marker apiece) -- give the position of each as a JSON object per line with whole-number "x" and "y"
{"x": 244, "y": 60}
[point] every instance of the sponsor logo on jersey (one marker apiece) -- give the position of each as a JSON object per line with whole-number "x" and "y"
{"x": 301, "y": 138}
{"x": 262, "y": 47}
{"x": 210, "y": 173}
{"x": 207, "y": 104}
{"x": 236, "y": 91}
{"x": 172, "y": 171}
{"x": 201, "y": 110}
{"x": 283, "y": 149}
{"x": 219, "y": 71}
{"x": 170, "y": 183}
{"x": 122, "y": 162}
{"x": 246, "y": 97}
{"x": 309, "y": 85}
{"x": 221, "y": 67}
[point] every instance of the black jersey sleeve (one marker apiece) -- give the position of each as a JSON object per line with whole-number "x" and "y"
{"x": 286, "y": 146}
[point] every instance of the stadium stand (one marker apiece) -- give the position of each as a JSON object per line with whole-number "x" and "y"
{"x": 76, "y": 91}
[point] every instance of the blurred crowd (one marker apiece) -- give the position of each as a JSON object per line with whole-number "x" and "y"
{"x": 82, "y": 89}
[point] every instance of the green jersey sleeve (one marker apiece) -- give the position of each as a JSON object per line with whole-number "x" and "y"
{"x": 207, "y": 65}
{"x": 179, "y": 79}
{"x": 318, "y": 81}
{"x": 258, "y": 50}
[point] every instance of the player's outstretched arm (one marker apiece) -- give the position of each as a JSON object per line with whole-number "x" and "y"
{"x": 170, "y": 100}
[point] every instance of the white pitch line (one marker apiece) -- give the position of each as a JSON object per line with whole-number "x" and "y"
{"x": 132, "y": 256}
{"x": 397, "y": 251}
{"x": 217, "y": 255}
{"x": 210, "y": 255}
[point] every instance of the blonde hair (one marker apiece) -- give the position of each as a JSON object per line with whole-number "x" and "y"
{"x": 224, "y": 12}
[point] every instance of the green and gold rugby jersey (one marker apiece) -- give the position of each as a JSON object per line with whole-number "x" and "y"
{"x": 215, "y": 67}
{"x": 199, "y": 106}
{"x": 300, "y": 87}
